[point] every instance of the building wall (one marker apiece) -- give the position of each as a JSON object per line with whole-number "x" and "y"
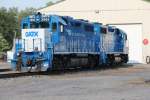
{"x": 108, "y": 12}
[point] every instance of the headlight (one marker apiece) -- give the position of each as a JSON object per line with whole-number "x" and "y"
{"x": 40, "y": 54}
{"x": 18, "y": 54}
{"x": 45, "y": 64}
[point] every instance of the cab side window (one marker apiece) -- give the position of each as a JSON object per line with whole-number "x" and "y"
{"x": 44, "y": 24}
{"x": 54, "y": 27}
{"x": 34, "y": 25}
{"x": 117, "y": 31}
{"x": 103, "y": 30}
{"x": 25, "y": 26}
{"x": 89, "y": 28}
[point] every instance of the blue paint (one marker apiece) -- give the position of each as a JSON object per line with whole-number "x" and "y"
{"x": 31, "y": 34}
{"x": 77, "y": 36}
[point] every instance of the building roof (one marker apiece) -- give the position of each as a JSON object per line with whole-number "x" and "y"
{"x": 95, "y": 5}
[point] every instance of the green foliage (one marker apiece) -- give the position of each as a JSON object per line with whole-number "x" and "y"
{"x": 4, "y": 46}
{"x": 10, "y": 25}
{"x": 147, "y": 0}
{"x": 26, "y": 12}
{"x": 50, "y": 3}
{"x": 21, "y": 15}
{"x": 10, "y": 20}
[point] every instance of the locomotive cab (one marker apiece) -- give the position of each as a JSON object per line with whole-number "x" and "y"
{"x": 39, "y": 34}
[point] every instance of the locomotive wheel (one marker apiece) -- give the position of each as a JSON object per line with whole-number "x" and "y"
{"x": 59, "y": 63}
{"x": 19, "y": 64}
{"x": 90, "y": 62}
{"x": 39, "y": 65}
{"x": 93, "y": 61}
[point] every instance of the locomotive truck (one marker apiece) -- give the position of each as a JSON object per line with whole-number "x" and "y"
{"x": 52, "y": 42}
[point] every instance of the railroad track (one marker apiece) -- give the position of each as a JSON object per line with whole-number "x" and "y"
{"x": 7, "y": 73}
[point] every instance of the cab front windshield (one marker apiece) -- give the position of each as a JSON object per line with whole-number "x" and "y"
{"x": 34, "y": 24}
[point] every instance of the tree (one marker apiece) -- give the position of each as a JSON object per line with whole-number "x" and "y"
{"x": 26, "y": 12}
{"x": 21, "y": 15}
{"x": 50, "y": 3}
{"x": 4, "y": 46}
{"x": 147, "y": 0}
{"x": 10, "y": 25}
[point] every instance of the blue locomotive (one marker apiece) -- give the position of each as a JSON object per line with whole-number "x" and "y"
{"x": 52, "y": 42}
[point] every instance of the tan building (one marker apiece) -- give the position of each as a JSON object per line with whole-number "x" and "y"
{"x": 133, "y": 16}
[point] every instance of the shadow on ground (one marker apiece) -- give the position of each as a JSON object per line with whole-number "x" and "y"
{"x": 59, "y": 72}
{"x": 4, "y": 70}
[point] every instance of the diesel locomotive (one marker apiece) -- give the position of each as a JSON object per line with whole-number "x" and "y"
{"x": 52, "y": 42}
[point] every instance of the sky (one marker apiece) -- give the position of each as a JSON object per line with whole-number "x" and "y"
{"x": 22, "y": 4}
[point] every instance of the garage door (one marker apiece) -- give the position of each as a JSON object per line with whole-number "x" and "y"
{"x": 134, "y": 33}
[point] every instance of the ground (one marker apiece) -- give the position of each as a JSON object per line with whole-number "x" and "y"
{"x": 130, "y": 82}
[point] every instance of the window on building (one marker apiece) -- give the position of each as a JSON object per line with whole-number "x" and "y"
{"x": 54, "y": 27}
